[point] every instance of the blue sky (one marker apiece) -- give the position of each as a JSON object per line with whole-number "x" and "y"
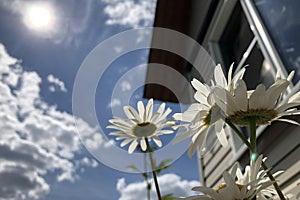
{"x": 43, "y": 156}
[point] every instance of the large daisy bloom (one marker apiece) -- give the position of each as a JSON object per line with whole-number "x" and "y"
{"x": 262, "y": 105}
{"x": 246, "y": 187}
{"x": 141, "y": 124}
{"x": 204, "y": 115}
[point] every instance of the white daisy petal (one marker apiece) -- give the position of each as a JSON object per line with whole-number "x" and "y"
{"x": 132, "y": 146}
{"x": 219, "y": 76}
{"x": 284, "y": 107}
{"x": 230, "y": 74}
{"x": 291, "y": 76}
{"x": 256, "y": 100}
{"x": 131, "y": 113}
{"x": 157, "y": 141}
{"x": 207, "y": 191}
{"x": 239, "y": 75}
{"x": 295, "y": 98}
{"x": 241, "y": 95}
{"x": 143, "y": 144}
{"x": 141, "y": 110}
{"x": 199, "y": 86}
{"x": 288, "y": 121}
{"x": 222, "y": 138}
{"x": 125, "y": 142}
{"x": 184, "y": 135}
{"x": 161, "y": 108}
{"x": 165, "y": 132}
{"x": 198, "y": 140}
{"x": 289, "y": 112}
{"x": 177, "y": 116}
{"x": 117, "y": 133}
{"x": 200, "y": 97}
{"x": 149, "y": 110}
{"x": 275, "y": 91}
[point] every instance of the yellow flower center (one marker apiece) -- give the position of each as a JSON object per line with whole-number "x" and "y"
{"x": 214, "y": 114}
{"x": 223, "y": 185}
{"x": 206, "y": 119}
{"x": 261, "y": 116}
{"x": 144, "y": 129}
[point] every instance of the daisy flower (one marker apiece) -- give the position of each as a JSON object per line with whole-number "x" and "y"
{"x": 204, "y": 115}
{"x": 253, "y": 173}
{"x": 246, "y": 187}
{"x": 262, "y": 104}
{"x": 141, "y": 125}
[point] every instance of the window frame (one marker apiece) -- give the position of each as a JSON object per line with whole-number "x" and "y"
{"x": 261, "y": 38}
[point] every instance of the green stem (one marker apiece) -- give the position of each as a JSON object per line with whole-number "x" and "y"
{"x": 148, "y": 187}
{"x": 238, "y": 132}
{"x": 252, "y": 124}
{"x": 276, "y": 186}
{"x": 263, "y": 164}
{"x": 153, "y": 169}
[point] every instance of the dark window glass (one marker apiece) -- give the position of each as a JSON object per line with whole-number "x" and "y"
{"x": 282, "y": 19}
{"x": 236, "y": 37}
{"x": 235, "y": 40}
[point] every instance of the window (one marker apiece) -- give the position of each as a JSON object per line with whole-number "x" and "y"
{"x": 239, "y": 36}
{"x": 283, "y": 14}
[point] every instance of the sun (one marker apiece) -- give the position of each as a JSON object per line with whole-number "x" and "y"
{"x": 39, "y": 17}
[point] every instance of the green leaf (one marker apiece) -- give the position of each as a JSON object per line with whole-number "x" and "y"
{"x": 133, "y": 167}
{"x": 165, "y": 164}
{"x": 167, "y": 197}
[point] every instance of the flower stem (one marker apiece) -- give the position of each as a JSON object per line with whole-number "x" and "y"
{"x": 238, "y": 132}
{"x": 153, "y": 170}
{"x": 263, "y": 164}
{"x": 252, "y": 124}
{"x": 276, "y": 186}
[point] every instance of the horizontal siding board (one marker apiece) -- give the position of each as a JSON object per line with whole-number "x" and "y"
{"x": 216, "y": 174}
{"x": 285, "y": 142}
{"x": 217, "y": 159}
{"x": 291, "y": 172}
{"x": 280, "y": 143}
{"x": 210, "y": 154}
{"x": 293, "y": 188}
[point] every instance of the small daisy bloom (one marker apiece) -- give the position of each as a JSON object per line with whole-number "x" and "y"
{"x": 236, "y": 190}
{"x": 262, "y": 104}
{"x": 141, "y": 125}
{"x": 200, "y": 117}
{"x": 253, "y": 173}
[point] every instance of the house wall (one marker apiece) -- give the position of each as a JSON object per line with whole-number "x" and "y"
{"x": 280, "y": 143}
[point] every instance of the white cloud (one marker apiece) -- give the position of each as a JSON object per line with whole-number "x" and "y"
{"x": 56, "y": 82}
{"x": 118, "y": 49}
{"x": 130, "y": 13}
{"x": 35, "y": 138}
{"x": 125, "y": 86}
{"x": 168, "y": 183}
{"x": 114, "y": 102}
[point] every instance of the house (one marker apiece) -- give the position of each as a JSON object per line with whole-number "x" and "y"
{"x": 263, "y": 34}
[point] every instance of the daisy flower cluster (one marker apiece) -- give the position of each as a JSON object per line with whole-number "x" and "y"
{"x": 224, "y": 103}
{"x": 253, "y": 183}
{"x": 205, "y": 114}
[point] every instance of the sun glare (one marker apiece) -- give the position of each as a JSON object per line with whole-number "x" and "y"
{"x": 39, "y": 17}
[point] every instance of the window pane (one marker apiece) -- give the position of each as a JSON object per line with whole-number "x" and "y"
{"x": 282, "y": 19}
{"x": 236, "y": 37}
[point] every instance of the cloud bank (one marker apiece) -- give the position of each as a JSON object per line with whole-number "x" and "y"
{"x": 130, "y": 13}
{"x": 36, "y": 139}
{"x": 168, "y": 183}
